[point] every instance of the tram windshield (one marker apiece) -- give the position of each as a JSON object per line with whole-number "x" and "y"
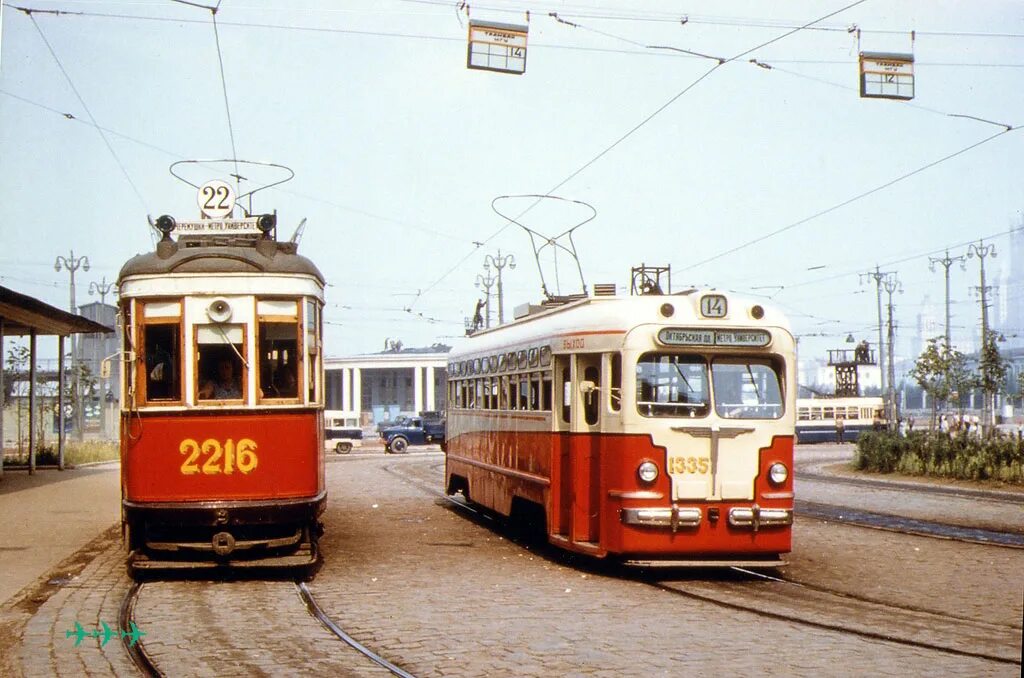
{"x": 678, "y": 385}
{"x": 220, "y": 364}
{"x": 672, "y": 385}
{"x": 746, "y": 389}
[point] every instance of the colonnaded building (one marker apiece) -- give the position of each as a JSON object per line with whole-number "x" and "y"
{"x": 368, "y": 389}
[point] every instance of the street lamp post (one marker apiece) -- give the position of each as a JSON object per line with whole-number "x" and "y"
{"x": 981, "y": 250}
{"x": 891, "y": 285}
{"x": 946, "y": 262}
{"x": 72, "y": 264}
{"x": 879, "y": 277}
{"x": 499, "y": 263}
{"x": 102, "y": 288}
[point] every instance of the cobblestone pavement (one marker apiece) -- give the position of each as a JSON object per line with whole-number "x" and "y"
{"x": 441, "y": 595}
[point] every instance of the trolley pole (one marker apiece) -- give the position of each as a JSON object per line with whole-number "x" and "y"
{"x": 72, "y": 264}
{"x": 981, "y": 250}
{"x": 879, "y": 277}
{"x": 499, "y": 263}
{"x": 891, "y": 285}
{"x": 946, "y": 262}
{"x": 486, "y": 282}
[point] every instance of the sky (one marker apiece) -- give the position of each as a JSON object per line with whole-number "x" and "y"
{"x": 770, "y": 177}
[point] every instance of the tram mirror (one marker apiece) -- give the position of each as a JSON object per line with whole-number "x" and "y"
{"x": 105, "y": 369}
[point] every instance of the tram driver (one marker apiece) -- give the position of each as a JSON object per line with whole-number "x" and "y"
{"x": 225, "y": 385}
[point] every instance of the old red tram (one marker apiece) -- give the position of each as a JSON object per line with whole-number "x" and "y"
{"x": 655, "y": 429}
{"x": 222, "y": 455}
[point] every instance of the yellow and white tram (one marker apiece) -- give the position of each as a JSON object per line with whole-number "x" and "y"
{"x": 658, "y": 429}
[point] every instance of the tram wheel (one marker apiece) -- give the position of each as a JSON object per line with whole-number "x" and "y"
{"x": 399, "y": 445}
{"x": 343, "y": 448}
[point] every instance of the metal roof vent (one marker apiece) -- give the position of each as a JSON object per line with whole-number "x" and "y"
{"x": 604, "y": 289}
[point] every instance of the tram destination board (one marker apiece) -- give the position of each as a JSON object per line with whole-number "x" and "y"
{"x": 683, "y": 336}
{"x": 219, "y": 226}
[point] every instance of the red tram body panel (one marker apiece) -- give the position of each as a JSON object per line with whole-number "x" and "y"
{"x": 667, "y": 440}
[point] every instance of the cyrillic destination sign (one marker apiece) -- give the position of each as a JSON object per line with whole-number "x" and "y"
{"x": 683, "y": 336}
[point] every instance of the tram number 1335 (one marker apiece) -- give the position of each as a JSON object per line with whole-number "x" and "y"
{"x": 695, "y": 465}
{"x": 226, "y": 458}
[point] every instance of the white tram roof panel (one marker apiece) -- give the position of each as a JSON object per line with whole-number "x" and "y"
{"x": 621, "y": 313}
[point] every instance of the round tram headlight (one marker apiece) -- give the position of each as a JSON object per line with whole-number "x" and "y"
{"x": 778, "y": 473}
{"x": 647, "y": 471}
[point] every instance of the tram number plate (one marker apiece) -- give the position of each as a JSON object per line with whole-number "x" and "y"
{"x": 225, "y": 459}
{"x": 694, "y": 465}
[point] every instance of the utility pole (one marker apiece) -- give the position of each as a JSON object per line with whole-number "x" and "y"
{"x": 891, "y": 285}
{"x": 879, "y": 277}
{"x": 946, "y": 262}
{"x": 981, "y": 250}
{"x": 486, "y": 282}
{"x": 72, "y": 264}
{"x": 499, "y": 263}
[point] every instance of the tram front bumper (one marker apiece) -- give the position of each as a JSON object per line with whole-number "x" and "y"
{"x": 676, "y": 517}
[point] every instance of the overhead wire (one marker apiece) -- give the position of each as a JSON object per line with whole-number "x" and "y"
{"x": 85, "y": 107}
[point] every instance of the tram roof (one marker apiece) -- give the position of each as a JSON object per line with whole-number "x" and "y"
{"x": 21, "y": 314}
{"x": 614, "y": 313}
{"x": 258, "y": 257}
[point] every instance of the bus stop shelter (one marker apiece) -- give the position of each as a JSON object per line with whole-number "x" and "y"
{"x": 22, "y": 315}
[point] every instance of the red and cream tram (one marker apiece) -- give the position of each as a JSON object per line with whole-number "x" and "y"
{"x": 656, "y": 429}
{"x": 222, "y": 456}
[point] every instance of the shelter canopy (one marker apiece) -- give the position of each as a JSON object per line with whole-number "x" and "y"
{"x": 20, "y": 314}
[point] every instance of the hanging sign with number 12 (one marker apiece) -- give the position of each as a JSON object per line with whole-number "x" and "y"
{"x": 216, "y": 199}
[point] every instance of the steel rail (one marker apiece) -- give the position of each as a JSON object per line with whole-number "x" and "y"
{"x": 317, "y": 612}
{"x": 136, "y": 652}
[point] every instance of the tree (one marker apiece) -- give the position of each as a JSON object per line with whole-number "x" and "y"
{"x": 17, "y": 367}
{"x": 931, "y": 372}
{"x": 961, "y": 379}
{"x": 991, "y": 371}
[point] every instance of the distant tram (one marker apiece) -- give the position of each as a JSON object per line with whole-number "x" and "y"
{"x": 816, "y": 418}
{"x": 222, "y": 451}
{"x": 655, "y": 429}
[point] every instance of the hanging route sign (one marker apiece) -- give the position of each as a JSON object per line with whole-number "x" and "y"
{"x": 885, "y": 75}
{"x": 497, "y": 47}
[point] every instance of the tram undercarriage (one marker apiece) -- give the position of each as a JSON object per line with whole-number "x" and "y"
{"x": 224, "y": 535}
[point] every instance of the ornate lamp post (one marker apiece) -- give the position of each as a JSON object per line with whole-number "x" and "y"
{"x": 72, "y": 264}
{"x": 499, "y": 263}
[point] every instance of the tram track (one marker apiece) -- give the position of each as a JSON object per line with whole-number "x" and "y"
{"x": 148, "y": 666}
{"x": 783, "y": 599}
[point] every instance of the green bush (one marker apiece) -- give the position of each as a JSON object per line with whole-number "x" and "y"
{"x": 942, "y": 455}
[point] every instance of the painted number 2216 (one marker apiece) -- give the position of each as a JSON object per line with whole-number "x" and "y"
{"x": 224, "y": 459}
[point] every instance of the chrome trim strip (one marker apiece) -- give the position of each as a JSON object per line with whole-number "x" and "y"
{"x": 639, "y": 494}
{"x": 674, "y": 517}
{"x": 522, "y": 475}
{"x": 776, "y": 495}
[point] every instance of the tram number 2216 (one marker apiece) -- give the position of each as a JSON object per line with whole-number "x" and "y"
{"x": 226, "y": 458}
{"x": 695, "y": 465}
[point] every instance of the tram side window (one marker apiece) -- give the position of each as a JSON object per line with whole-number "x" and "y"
{"x": 220, "y": 368}
{"x": 279, "y": 360}
{"x": 672, "y": 385}
{"x": 746, "y": 388}
{"x": 566, "y": 395}
{"x": 545, "y": 393}
{"x": 591, "y": 401}
{"x": 162, "y": 351}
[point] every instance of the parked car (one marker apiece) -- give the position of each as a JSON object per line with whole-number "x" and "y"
{"x": 404, "y": 432}
{"x": 342, "y": 438}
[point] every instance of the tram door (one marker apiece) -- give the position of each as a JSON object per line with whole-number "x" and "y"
{"x": 586, "y": 462}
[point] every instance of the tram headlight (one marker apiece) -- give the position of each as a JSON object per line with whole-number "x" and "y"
{"x": 778, "y": 473}
{"x": 647, "y": 471}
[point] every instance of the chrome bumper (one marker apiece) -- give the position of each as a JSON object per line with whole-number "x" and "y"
{"x": 756, "y": 517}
{"x": 753, "y": 517}
{"x": 674, "y": 517}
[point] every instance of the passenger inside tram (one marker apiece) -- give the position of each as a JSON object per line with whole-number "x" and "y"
{"x": 225, "y": 383}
